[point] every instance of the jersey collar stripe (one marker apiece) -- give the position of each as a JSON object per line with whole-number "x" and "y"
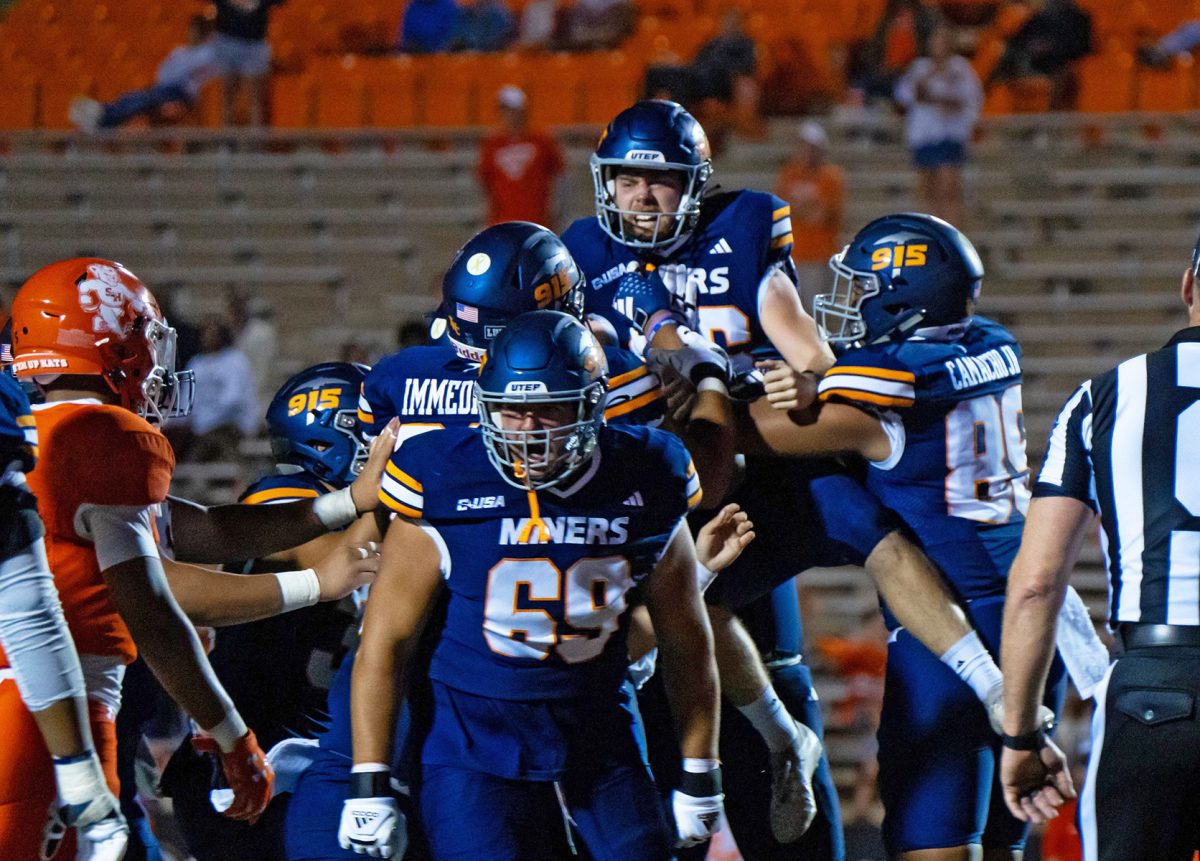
{"x": 280, "y": 494}
{"x": 1126, "y": 453}
{"x": 869, "y": 397}
{"x": 626, "y": 407}
{"x": 867, "y": 371}
{"x": 781, "y": 212}
{"x": 628, "y": 377}
{"x": 404, "y": 478}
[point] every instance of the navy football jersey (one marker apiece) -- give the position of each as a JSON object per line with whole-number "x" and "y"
{"x": 433, "y": 387}
{"x": 714, "y": 273}
{"x": 538, "y": 621}
{"x": 959, "y": 475}
{"x": 18, "y": 433}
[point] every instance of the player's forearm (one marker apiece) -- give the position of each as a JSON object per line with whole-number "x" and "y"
{"x": 916, "y": 593}
{"x": 167, "y": 640}
{"x": 711, "y": 441}
{"x": 230, "y": 533}
{"x": 218, "y": 598}
{"x": 1026, "y": 650}
{"x": 690, "y": 675}
{"x": 375, "y": 688}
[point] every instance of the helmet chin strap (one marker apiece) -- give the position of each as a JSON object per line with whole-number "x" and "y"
{"x": 535, "y": 521}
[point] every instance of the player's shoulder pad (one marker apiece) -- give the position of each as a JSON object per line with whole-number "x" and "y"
{"x": 276, "y": 488}
{"x": 666, "y": 466}
{"x": 117, "y": 457}
{"x": 870, "y": 375}
{"x": 418, "y": 462}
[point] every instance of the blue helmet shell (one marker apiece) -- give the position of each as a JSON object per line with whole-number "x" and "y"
{"x": 313, "y": 422}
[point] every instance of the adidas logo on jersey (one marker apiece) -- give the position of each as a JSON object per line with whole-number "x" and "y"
{"x": 722, "y": 247}
{"x": 635, "y": 501}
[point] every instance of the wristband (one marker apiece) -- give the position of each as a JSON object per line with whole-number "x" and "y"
{"x": 336, "y": 510}
{"x": 668, "y": 318}
{"x": 1032, "y": 740}
{"x": 701, "y": 778}
{"x": 713, "y": 384}
{"x": 370, "y": 780}
{"x": 704, "y": 576}
{"x": 227, "y": 733}
{"x": 298, "y": 589}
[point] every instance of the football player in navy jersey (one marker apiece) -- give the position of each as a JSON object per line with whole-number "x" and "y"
{"x": 267, "y": 665}
{"x": 930, "y": 394}
{"x": 529, "y": 725}
{"x": 726, "y": 259}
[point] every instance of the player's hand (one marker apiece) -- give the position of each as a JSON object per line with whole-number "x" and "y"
{"x": 697, "y": 805}
{"x": 365, "y": 489}
{"x": 247, "y": 772}
{"x": 722, "y": 540}
{"x": 1036, "y": 782}
{"x": 374, "y": 827}
{"x": 101, "y": 833}
{"x": 696, "y": 359}
{"x": 347, "y": 568}
{"x": 785, "y": 388}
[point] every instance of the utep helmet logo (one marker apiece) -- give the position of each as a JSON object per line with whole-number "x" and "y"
{"x": 101, "y": 293}
{"x": 645, "y": 155}
{"x": 901, "y": 254}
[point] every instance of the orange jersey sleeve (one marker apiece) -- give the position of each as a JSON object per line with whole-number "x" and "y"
{"x": 101, "y": 455}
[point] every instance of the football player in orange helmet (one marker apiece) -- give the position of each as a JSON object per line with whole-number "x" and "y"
{"x": 92, "y": 337}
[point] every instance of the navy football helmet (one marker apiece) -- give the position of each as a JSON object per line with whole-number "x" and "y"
{"x": 651, "y": 135}
{"x": 506, "y": 270}
{"x": 313, "y": 422}
{"x": 898, "y": 273}
{"x": 546, "y": 359}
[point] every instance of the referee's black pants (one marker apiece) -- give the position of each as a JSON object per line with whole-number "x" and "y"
{"x": 1141, "y": 798}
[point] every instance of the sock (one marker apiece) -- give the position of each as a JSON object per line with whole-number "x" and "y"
{"x": 771, "y": 720}
{"x": 972, "y": 663}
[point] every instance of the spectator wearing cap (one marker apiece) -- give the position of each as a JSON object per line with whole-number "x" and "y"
{"x": 178, "y": 81}
{"x": 243, "y": 54}
{"x": 942, "y": 96}
{"x": 816, "y": 191}
{"x": 519, "y": 167}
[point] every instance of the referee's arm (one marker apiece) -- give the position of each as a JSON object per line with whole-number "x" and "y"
{"x": 1036, "y": 782}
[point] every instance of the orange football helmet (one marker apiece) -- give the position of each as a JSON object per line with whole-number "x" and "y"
{"x": 93, "y": 316}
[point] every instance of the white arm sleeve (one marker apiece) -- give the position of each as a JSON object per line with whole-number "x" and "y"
{"x": 120, "y": 532}
{"x": 34, "y": 633}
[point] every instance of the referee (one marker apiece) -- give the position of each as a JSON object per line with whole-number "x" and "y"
{"x": 1126, "y": 446}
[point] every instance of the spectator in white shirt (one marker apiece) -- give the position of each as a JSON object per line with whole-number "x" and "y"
{"x": 180, "y": 76}
{"x": 942, "y": 96}
{"x": 226, "y": 406}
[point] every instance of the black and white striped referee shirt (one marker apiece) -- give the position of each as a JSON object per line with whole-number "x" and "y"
{"x": 1127, "y": 443}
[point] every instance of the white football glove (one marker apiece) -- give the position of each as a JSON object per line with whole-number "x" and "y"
{"x": 697, "y": 816}
{"x": 101, "y": 833}
{"x": 994, "y": 703}
{"x": 374, "y": 827}
{"x": 696, "y": 359}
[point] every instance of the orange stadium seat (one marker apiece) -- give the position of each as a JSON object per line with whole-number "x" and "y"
{"x": 1171, "y": 89}
{"x": 18, "y": 100}
{"x": 56, "y": 92}
{"x": 291, "y": 101}
{"x": 391, "y": 92}
{"x": 341, "y": 95}
{"x": 612, "y": 84}
{"x": 447, "y": 86}
{"x": 555, "y": 91}
{"x": 1106, "y": 82}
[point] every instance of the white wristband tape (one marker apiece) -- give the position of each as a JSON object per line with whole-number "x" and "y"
{"x": 712, "y": 384}
{"x": 298, "y": 588}
{"x": 335, "y": 510}
{"x": 704, "y": 576}
{"x": 360, "y": 767}
{"x": 694, "y": 765}
{"x": 228, "y": 731}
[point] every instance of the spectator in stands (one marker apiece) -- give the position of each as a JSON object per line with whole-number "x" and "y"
{"x": 816, "y": 192}
{"x": 519, "y": 168}
{"x": 596, "y": 25}
{"x": 256, "y": 336}
{"x": 226, "y": 406}
{"x": 1048, "y": 44}
{"x": 243, "y": 54}
{"x": 1182, "y": 40}
{"x": 428, "y": 26}
{"x": 942, "y": 97}
{"x": 539, "y": 26}
{"x": 882, "y": 59}
{"x": 723, "y": 71}
{"x": 484, "y": 25}
{"x": 178, "y": 81}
